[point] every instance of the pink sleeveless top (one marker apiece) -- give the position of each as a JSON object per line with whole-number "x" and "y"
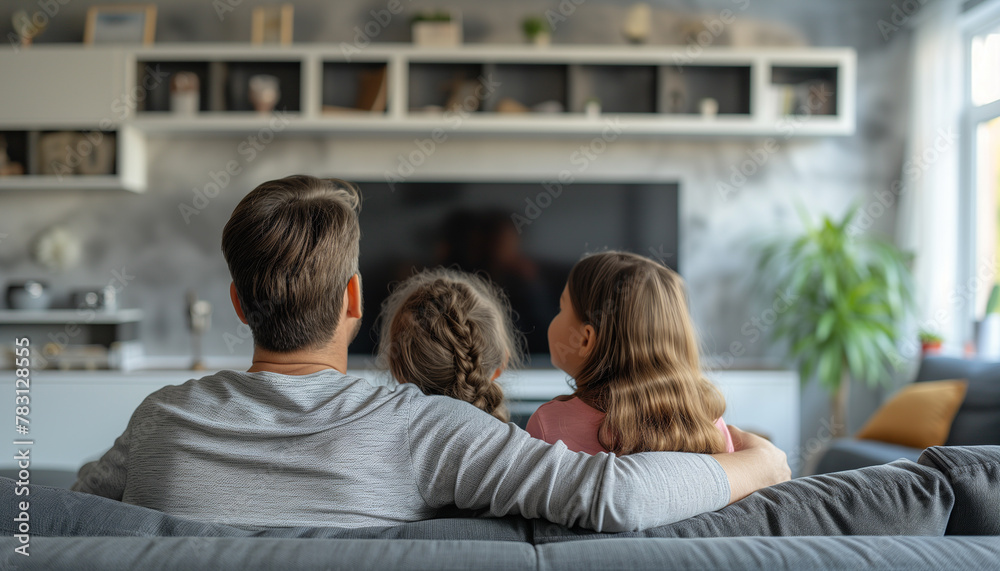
{"x": 576, "y": 423}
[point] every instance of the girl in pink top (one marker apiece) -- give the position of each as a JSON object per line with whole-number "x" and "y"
{"x": 624, "y": 334}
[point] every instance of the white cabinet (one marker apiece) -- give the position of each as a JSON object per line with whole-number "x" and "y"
{"x": 86, "y": 96}
{"x": 55, "y": 87}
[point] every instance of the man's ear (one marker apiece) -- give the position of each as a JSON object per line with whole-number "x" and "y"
{"x": 236, "y": 302}
{"x": 588, "y": 340}
{"x": 352, "y": 297}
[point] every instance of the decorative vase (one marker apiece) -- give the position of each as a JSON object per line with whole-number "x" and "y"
{"x": 184, "y": 93}
{"x": 541, "y": 39}
{"x": 265, "y": 91}
{"x": 441, "y": 34}
{"x": 709, "y": 108}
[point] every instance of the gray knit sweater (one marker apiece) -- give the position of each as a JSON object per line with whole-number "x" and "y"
{"x": 328, "y": 449}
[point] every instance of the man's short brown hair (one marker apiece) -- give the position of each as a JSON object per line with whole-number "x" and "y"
{"x": 292, "y": 247}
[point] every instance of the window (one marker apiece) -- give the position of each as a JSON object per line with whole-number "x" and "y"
{"x": 981, "y": 154}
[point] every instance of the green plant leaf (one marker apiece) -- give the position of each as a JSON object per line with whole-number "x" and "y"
{"x": 825, "y": 326}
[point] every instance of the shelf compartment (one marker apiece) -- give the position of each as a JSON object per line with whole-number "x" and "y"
{"x": 14, "y": 154}
{"x": 527, "y": 84}
{"x": 433, "y": 85}
{"x": 222, "y": 86}
{"x": 804, "y": 90}
{"x": 620, "y": 88}
{"x": 682, "y": 88}
{"x": 157, "y": 98}
{"x": 237, "y": 80}
{"x": 355, "y": 87}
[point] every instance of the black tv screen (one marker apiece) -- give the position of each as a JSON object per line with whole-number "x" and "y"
{"x": 523, "y": 236}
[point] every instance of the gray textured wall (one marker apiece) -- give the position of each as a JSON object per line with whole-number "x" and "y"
{"x": 146, "y": 235}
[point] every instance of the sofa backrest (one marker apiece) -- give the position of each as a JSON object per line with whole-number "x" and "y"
{"x": 978, "y": 419}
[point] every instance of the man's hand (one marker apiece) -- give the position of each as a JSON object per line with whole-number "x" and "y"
{"x": 755, "y": 464}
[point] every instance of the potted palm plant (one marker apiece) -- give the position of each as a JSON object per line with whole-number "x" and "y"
{"x": 852, "y": 296}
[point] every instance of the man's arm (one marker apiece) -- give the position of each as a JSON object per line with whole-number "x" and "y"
{"x": 465, "y": 457}
{"x": 106, "y": 477}
{"x": 755, "y": 464}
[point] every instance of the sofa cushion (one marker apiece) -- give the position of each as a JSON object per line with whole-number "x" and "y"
{"x": 902, "y": 498}
{"x": 771, "y": 553}
{"x": 918, "y": 415}
{"x": 241, "y": 554}
{"x": 758, "y": 553}
{"x": 974, "y": 473}
{"x": 851, "y": 454}
{"x": 978, "y": 419}
{"x": 58, "y": 512}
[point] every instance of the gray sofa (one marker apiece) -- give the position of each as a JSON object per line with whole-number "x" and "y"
{"x": 977, "y": 422}
{"x": 942, "y": 512}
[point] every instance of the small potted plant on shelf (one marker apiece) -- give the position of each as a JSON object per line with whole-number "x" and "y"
{"x": 536, "y": 31}
{"x": 930, "y": 342}
{"x": 437, "y": 29}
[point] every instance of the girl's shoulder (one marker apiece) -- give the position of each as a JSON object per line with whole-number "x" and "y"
{"x": 569, "y": 404}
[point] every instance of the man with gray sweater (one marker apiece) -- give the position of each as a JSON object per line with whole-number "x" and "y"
{"x": 294, "y": 441}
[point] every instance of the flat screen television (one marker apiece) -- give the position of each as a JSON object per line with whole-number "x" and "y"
{"x": 521, "y": 235}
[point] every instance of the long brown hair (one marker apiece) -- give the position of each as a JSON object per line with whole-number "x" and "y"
{"x": 448, "y": 332}
{"x": 644, "y": 371}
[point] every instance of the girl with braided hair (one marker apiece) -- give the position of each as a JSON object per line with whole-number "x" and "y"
{"x": 623, "y": 333}
{"x": 450, "y": 333}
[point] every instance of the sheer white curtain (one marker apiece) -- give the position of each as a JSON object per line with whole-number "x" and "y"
{"x": 930, "y": 198}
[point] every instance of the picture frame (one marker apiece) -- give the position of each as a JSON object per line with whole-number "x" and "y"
{"x": 273, "y": 24}
{"x": 120, "y": 24}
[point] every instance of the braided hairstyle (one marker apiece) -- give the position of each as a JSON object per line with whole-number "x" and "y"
{"x": 448, "y": 332}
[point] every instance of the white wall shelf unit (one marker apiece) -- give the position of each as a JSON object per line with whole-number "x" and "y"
{"x": 741, "y": 82}
{"x": 402, "y": 90}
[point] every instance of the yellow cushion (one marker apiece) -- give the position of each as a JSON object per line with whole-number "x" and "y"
{"x": 918, "y": 416}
